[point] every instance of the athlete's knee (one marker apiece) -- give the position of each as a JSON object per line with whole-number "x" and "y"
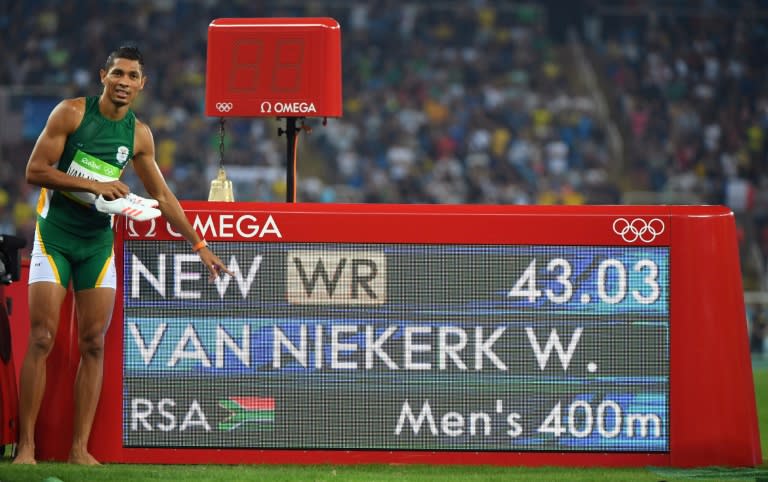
{"x": 91, "y": 344}
{"x": 41, "y": 339}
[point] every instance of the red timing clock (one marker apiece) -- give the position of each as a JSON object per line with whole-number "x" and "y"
{"x": 273, "y": 67}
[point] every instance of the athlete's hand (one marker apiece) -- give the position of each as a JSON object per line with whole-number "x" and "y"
{"x": 111, "y": 190}
{"x": 213, "y": 264}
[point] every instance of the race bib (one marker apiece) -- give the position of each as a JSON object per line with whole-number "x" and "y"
{"x": 90, "y": 167}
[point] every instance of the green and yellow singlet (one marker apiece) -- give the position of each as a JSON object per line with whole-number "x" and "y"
{"x": 98, "y": 150}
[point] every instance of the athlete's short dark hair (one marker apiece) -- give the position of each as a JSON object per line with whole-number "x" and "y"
{"x": 129, "y": 52}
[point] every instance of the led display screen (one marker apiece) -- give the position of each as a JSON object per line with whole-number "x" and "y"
{"x": 397, "y": 347}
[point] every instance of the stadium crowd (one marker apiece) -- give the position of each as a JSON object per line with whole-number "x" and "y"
{"x": 444, "y": 102}
{"x": 689, "y": 90}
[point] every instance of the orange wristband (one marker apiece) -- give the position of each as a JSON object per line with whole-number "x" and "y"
{"x": 202, "y": 244}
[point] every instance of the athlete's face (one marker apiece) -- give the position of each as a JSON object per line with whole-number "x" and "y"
{"x": 123, "y": 81}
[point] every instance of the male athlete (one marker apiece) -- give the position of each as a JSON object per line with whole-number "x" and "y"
{"x": 77, "y": 162}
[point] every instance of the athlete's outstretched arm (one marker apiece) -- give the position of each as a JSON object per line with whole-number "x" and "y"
{"x": 146, "y": 167}
{"x": 41, "y": 170}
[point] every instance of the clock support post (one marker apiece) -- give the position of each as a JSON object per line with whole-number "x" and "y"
{"x": 291, "y": 137}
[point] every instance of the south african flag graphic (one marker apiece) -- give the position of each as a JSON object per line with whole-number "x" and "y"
{"x": 257, "y": 411}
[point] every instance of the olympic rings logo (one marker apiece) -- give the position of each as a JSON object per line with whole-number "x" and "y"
{"x": 224, "y": 106}
{"x": 638, "y": 229}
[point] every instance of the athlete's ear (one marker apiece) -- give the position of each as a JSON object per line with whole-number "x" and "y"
{"x": 143, "y": 81}
{"x": 102, "y": 75}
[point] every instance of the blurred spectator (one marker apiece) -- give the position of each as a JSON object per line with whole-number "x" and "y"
{"x": 757, "y": 317}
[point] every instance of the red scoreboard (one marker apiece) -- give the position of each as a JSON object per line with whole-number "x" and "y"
{"x": 273, "y": 67}
{"x": 509, "y": 335}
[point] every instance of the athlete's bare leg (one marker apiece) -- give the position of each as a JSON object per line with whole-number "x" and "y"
{"x": 45, "y": 301}
{"x": 94, "y": 311}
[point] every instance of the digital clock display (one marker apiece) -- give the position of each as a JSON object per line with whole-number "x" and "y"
{"x": 285, "y": 75}
{"x": 419, "y": 347}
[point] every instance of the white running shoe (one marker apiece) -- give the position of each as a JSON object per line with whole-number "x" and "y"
{"x": 143, "y": 201}
{"x": 131, "y": 206}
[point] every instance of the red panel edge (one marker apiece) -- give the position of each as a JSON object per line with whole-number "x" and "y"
{"x": 712, "y": 401}
{"x": 349, "y": 457}
{"x": 274, "y": 21}
{"x": 19, "y": 316}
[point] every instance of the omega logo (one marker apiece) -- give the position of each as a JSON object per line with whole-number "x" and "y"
{"x": 268, "y": 107}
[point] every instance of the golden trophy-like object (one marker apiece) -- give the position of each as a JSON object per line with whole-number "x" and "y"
{"x": 221, "y": 188}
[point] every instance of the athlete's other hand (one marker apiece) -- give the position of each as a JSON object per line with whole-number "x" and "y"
{"x": 213, "y": 264}
{"x": 111, "y": 190}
